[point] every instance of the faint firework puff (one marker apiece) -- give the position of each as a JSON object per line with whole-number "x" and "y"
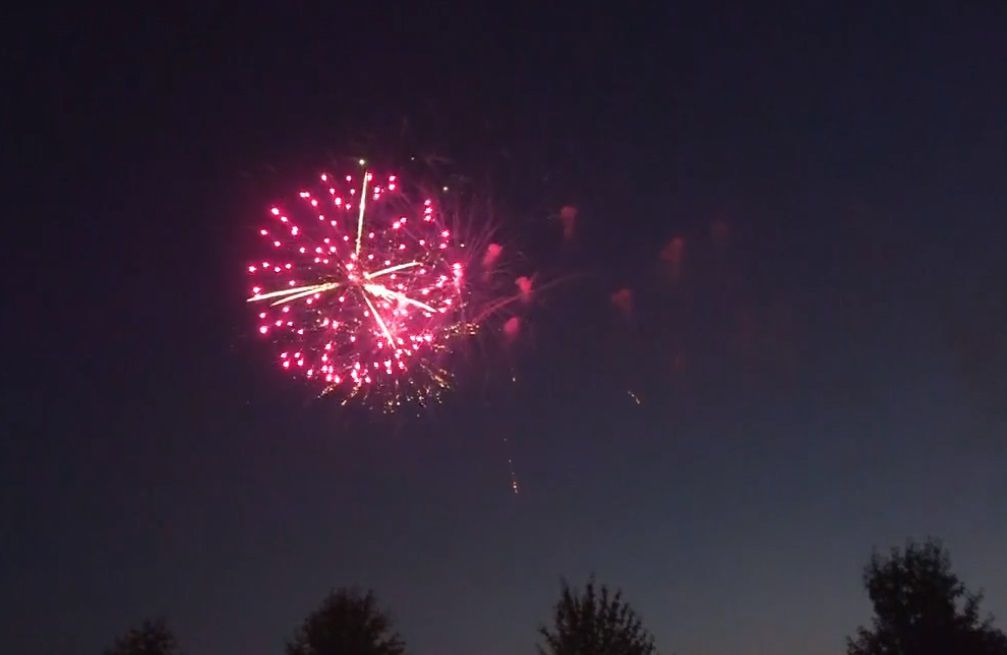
{"x": 524, "y": 285}
{"x": 622, "y": 300}
{"x": 568, "y": 218}
{"x": 364, "y": 289}
{"x": 673, "y": 254}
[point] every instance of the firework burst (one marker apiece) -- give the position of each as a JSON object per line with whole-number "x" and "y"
{"x": 364, "y": 289}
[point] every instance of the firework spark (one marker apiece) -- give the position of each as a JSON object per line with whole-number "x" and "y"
{"x": 363, "y": 290}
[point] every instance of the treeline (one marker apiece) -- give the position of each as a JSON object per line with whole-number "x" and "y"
{"x": 920, "y": 608}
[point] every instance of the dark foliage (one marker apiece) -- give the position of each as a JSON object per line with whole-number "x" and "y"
{"x": 595, "y": 622}
{"x": 922, "y": 608}
{"x": 347, "y": 623}
{"x": 149, "y": 638}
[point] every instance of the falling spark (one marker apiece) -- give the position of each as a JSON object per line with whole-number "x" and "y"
{"x": 510, "y": 464}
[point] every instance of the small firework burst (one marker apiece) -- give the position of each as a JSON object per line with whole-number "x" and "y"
{"x": 363, "y": 290}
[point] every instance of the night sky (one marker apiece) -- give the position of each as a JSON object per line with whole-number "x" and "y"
{"x": 823, "y": 369}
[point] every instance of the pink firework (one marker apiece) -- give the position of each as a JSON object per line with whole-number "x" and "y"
{"x": 362, "y": 290}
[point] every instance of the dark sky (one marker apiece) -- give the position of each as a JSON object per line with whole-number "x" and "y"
{"x": 825, "y": 373}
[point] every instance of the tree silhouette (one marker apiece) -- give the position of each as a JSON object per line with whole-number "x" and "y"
{"x": 152, "y": 637}
{"x": 348, "y": 622}
{"x": 595, "y": 622}
{"x": 922, "y": 608}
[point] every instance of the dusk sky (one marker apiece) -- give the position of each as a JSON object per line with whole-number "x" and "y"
{"x": 808, "y": 207}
